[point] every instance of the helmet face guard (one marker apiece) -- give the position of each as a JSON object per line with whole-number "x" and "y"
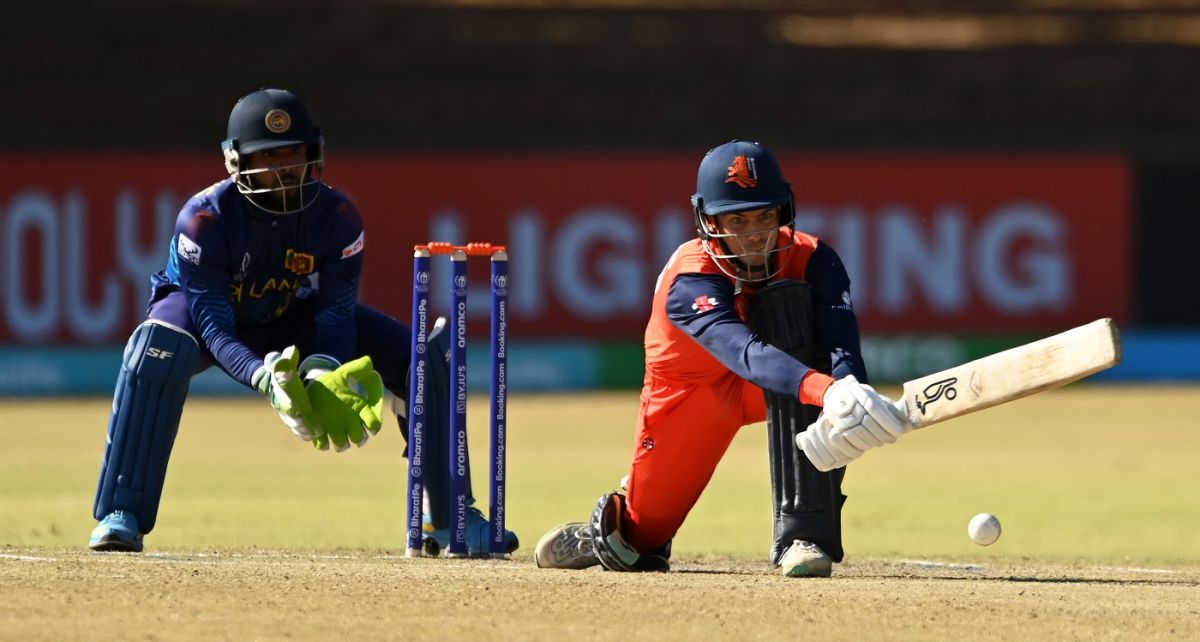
{"x": 738, "y": 265}
{"x": 265, "y": 188}
{"x": 271, "y": 119}
{"x": 736, "y": 177}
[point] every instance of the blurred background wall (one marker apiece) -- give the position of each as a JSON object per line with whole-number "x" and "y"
{"x": 991, "y": 171}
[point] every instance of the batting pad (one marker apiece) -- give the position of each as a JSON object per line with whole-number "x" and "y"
{"x": 151, "y": 388}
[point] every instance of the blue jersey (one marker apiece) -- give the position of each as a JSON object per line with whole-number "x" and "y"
{"x": 241, "y": 267}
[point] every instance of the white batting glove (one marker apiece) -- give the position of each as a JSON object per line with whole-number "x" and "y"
{"x": 851, "y": 405}
{"x": 855, "y": 419}
{"x": 825, "y": 451}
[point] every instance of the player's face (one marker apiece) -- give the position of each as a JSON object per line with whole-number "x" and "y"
{"x": 282, "y": 167}
{"x": 750, "y": 234}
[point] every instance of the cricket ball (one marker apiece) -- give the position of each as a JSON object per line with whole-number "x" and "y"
{"x": 984, "y": 529}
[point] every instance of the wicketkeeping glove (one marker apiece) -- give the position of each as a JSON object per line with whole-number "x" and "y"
{"x": 347, "y": 403}
{"x": 278, "y": 381}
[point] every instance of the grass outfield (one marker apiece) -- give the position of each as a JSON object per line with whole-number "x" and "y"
{"x": 261, "y": 537}
{"x": 1088, "y": 473}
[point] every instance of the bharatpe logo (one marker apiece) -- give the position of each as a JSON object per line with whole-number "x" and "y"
{"x": 418, "y": 448}
{"x": 422, "y": 321}
{"x": 936, "y": 390}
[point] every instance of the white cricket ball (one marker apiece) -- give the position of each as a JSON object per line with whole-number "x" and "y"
{"x": 984, "y": 529}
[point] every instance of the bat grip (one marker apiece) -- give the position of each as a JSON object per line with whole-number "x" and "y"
{"x": 902, "y": 410}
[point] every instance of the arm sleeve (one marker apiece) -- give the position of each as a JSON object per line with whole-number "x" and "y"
{"x": 337, "y": 296}
{"x": 837, "y": 325}
{"x": 199, "y": 252}
{"x": 701, "y": 305}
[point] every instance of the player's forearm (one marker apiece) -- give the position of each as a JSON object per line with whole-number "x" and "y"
{"x": 214, "y": 319}
{"x": 767, "y": 367}
{"x": 237, "y": 360}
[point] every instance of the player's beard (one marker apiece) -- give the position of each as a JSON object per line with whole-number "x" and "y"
{"x": 285, "y": 191}
{"x": 285, "y": 199}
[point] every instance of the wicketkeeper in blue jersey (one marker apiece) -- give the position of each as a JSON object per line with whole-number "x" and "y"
{"x": 262, "y": 280}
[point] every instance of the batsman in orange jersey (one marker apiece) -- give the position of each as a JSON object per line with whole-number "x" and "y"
{"x": 751, "y": 321}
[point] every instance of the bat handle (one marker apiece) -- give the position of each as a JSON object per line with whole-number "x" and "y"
{"x": 901, "y": 407}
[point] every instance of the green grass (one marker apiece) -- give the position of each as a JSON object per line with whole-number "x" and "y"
{"x": 1089, "y": 473}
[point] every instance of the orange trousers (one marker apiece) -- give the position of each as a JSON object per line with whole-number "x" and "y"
{"x": 682, "y": 433}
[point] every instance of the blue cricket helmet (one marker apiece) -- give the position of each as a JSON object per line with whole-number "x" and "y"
{"x": 736, "y": 177}
{"x": 268, "y": 119}
{"x": 739, "y": 176}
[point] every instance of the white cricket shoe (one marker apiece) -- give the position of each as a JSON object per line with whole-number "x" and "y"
{"x": 566, "y": 546}
{"x": 805, "y": 559}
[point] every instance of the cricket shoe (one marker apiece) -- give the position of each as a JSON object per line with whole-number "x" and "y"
{"x": 805, "y": 559}
{"x": 437, "y": 540}
{"x": 118, "y": 531}
{"x": 566, "y": 546}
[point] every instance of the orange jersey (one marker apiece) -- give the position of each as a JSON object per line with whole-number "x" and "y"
{"x": 674, "y": 355}
{"x": 706, "y": 372}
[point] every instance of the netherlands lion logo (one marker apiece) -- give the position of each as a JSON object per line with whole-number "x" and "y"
{"x": 742, "y": 173}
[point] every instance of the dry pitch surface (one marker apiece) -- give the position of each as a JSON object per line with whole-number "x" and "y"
{"x": 61, "y": 594}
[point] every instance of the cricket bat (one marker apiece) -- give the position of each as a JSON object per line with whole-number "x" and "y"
{"x": 1018, "y": 372}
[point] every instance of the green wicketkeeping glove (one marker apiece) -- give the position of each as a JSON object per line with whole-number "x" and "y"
{"x": 278, "y": 381}
{"x": 348, "y": 404}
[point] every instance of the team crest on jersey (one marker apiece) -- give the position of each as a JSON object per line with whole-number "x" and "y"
{"x": 188, "y": 250}
{"x": 743, "y": 173}
{"x": 353, "y": 248}
{"x": 278, "y": 121}
{"x": 299, "y": 262}
{"x": 704, "y": 303}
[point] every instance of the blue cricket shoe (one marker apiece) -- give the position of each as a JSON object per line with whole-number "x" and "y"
{"x": 118, "y": 531}
{"x": 437, "y": 540}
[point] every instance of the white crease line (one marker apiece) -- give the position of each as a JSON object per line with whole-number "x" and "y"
{"x": 943, "y": 565}
{"x": 1134, "y": 569}
{"x": 26, "y": 558}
